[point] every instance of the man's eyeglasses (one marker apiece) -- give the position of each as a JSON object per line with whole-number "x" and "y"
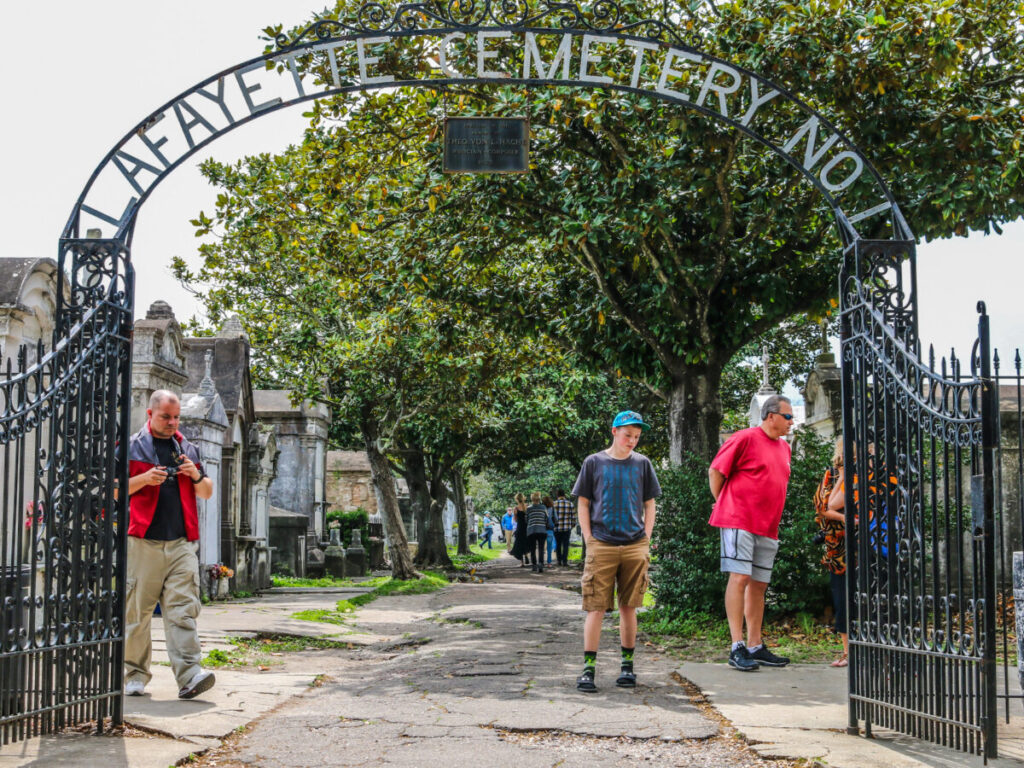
{"x": 786, "y": 416}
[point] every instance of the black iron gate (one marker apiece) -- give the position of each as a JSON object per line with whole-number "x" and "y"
{"x": 920, "y": 439}
{"x": 62, "y": 412}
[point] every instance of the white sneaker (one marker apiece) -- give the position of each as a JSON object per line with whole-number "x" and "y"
{"x": 201, "y": 681}
{"x": 134, "y": 688}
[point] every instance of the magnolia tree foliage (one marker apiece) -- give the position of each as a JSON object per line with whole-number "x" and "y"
{"x": 429, "y": 385}
{"x": 655, "y": 241}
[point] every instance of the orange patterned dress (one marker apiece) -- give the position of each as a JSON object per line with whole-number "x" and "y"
{"x": 834, "y": 558}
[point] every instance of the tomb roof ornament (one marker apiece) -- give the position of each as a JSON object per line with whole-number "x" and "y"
{"x": 160, "y": 310}
{"x": 766, "y": 385}
{"x": 206, "y": 386}
{"x": 232, "y": 329}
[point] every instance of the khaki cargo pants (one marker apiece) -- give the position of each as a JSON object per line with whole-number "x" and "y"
{"x": 615, "y": 565}
{"x": 166, "y": 572}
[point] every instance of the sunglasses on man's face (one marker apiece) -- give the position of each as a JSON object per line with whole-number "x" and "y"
{"x": 786, "y": 416}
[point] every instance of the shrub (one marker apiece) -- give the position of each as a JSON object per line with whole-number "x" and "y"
{"x": 687, "y": 579}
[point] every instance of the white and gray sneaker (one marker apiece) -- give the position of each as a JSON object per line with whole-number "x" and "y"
{"x": 134, "y": 688}
{"x": 201, "y": 681}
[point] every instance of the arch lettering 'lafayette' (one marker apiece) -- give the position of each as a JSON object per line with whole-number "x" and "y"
{"x": 535, "y": 56}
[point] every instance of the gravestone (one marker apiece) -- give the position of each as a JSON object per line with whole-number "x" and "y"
{"x": 334, "y": 557}
{"x": 355, "y": 556}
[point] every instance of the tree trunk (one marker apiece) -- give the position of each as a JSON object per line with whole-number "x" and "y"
{"x": 694, "y": 414}
{"x": 432, "y": 551}
{"x": 419, "y": 492}
{"x": 461, "y": 511}
{"x": 384, "y": 481}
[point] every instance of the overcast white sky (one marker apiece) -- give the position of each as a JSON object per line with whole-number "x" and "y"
{"x": 80, "y": 75}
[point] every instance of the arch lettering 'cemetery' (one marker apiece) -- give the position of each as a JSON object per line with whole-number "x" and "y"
{"x": 424, "y": 58}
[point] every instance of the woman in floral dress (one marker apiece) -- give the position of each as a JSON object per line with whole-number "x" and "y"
{"x": 829, "y": 501}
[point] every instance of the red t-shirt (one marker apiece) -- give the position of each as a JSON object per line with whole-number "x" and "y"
{"x": 756, "y": 470}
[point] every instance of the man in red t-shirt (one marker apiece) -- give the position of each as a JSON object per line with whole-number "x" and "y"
{"x": 748, "y": 479}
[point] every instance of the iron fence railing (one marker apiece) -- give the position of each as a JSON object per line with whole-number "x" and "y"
{"x": 61, "y": 542}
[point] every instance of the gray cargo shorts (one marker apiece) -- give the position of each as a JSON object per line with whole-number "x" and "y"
{"x": 747, "y": 553}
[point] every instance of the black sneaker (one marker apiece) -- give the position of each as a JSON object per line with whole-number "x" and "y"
{"x": 626, "y": 679}
{"x": 585, "y": 682}
{"x": 763, "y": 656}
{"x": 741, "y": 659}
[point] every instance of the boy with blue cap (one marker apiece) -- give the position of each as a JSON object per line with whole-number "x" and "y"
{"x": 616, "y": 490}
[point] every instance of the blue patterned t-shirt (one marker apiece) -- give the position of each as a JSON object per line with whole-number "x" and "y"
{"x": 617, "y": 490}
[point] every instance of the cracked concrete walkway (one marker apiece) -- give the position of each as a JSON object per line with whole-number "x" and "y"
{"x": 483, "y": 672}
{"x": 485, "y": 659}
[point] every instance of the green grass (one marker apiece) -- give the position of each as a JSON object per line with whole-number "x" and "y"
{"x": 325, "y": 615}
{"x": 700, "y": 637}
{"x": 475, "y": 555}
{"x": 383, "y": 586}
{"x": 328, "y": 581}
{"x": 255, "y": 651}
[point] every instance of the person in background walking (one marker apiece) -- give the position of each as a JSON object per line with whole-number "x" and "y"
{"x": 829, "y": 503}
{"x": 537, "y": 530}
{"x": 508, "y": 525}
{"x": 565, "y": 518}
{"x": 488, "y": 531}
{"x": 521, "y": 549}
{"x": 549, "y": 505}
{"x": 748, "y": 479}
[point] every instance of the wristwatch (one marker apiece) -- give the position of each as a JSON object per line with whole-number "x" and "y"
{"x": 198, "y": 480}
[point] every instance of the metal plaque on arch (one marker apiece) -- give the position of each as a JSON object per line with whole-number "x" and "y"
{"x": 486, "y": 145}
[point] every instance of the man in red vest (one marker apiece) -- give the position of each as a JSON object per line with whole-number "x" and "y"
{"x": 165, "y": 478}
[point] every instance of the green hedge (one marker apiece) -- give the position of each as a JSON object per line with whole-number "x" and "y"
{"x": 357, "y": 518}
{"x": 687, "y": 578}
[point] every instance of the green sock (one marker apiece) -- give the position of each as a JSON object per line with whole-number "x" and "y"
{"x": 627, "y": 659}
{"x": 590, "y": 662}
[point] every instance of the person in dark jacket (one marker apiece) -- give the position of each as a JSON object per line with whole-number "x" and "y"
{"x": 549, "y": 504}
{"x": 537, "y": 530}
{"x": 520, "y": 549}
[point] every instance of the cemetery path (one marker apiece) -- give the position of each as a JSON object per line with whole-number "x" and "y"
{"x": 483, "y": 671}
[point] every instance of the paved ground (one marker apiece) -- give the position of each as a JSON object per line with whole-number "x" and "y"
{"x": 481, "y": 672}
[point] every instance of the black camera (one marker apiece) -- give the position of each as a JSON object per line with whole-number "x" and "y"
{"x": 177, "y": 457}
{"x": 818, "y": 538}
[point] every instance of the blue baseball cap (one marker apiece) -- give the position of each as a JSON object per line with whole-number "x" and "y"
{"x": 629, "y": 419}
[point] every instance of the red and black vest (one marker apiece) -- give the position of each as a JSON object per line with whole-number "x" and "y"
{"x": 142, "y": 504}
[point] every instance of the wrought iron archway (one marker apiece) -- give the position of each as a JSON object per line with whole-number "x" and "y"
{"x": 64, "y": 409}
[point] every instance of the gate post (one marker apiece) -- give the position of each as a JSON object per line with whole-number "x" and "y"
{"x": 989, "y": 445}
{"x": 850, "y": 504}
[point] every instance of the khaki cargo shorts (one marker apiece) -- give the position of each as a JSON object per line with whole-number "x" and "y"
{"x": 611, "y": 565}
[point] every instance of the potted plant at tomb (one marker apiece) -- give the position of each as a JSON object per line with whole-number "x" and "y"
{"x": 220, "y": 576}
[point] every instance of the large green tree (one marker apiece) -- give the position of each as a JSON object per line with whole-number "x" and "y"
{"x": 655, "y": 242}
{"x": 430, "y": 386}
